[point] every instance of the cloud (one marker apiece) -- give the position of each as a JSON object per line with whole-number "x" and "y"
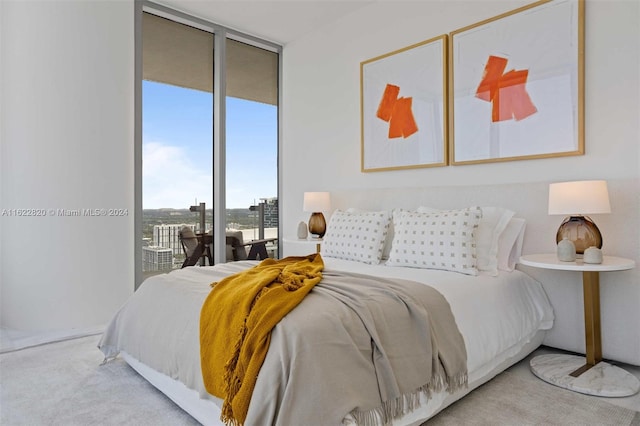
{"x": 171, "y": 179}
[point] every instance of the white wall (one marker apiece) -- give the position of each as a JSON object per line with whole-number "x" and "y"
{"x": 67, "y": 143}
{"x": 321, "y": 134}
{"x": 322, "y": 99}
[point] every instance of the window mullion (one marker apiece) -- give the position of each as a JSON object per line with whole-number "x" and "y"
{"x": 219, "y": 146}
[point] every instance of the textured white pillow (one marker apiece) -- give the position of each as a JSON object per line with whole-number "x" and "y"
{"x": 357, "y": 236}
{"x": 493, "y": 222}
{"x": 386, "y": 247}
{"x": 437, "y": 240}
{"x": 510, "y": 244}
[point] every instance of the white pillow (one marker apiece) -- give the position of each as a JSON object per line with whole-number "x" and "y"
{"x": 438, "y": 240}
{"x": 357, "y": 236}
{"x": 494, "y": 221}
{"x": 386, "y": 247}
{"x": 510, "y": 244}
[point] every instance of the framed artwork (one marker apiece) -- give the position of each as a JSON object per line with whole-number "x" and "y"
{"x": 517, "y": 85}
{"x": 403, "y": 101}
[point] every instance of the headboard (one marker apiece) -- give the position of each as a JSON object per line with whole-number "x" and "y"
{"x": 619, "y": 291}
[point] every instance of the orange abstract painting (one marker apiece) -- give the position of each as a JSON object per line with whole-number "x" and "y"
{"x": 506, "y": 91}
{"x": 397, "y": 112}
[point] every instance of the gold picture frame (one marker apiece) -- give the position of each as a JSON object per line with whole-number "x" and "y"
{"x": 516, "y": 85}
{"x": 403, "y": 108}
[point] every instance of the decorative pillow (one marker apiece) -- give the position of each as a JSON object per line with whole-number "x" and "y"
{"x": 510, "y": 244}
{"x": 358, "y": 236}
{"x": 437, "y": 240}
{"x": 493, "y": 222}
{"x": 386, "y": 248}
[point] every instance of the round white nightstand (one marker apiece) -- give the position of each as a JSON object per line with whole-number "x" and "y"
{"x": 589, "y": 374}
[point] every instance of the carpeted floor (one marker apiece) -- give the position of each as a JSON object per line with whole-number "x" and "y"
{"x": 509, "y": 399}
{"x": 64, "y": 384}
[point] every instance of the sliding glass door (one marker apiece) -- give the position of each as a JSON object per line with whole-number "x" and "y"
{"x": 177, "y": 138}
{"x": 252, "y": 143}
{"x": 197, "y": 172}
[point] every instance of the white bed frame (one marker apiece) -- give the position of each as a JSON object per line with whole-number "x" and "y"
{"x": 207, "y": 412}
{"x": 619, "y": 291}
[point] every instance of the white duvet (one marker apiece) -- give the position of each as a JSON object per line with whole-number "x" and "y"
{"x": 159, "y": 325}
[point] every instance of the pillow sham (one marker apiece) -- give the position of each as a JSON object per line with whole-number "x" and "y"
{"x": 493, "y": 222}
{"x": 386, "y": 247}
{"x": 510, "y": 244}
{"x": 438, "y": 240}
{"x": 356, "y": 235}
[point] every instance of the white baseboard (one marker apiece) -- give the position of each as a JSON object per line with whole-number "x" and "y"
{"x": 14, "y": 340}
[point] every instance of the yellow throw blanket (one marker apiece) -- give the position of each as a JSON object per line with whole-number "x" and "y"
{"x": 236, "y": 322}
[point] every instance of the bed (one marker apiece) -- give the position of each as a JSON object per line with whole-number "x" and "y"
{"x": 501, "y": 313}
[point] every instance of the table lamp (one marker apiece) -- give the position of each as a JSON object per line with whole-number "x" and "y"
{"x": 576, "y": 199}
{"x": 316, "y": 202}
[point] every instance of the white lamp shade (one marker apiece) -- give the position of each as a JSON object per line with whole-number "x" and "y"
{"x": 316, "y": 202}
{"x": 579, "y": 198}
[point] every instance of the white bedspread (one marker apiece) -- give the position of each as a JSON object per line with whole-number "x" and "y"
{"x": 159, "y": 325}
{"x": 521, "y": 307}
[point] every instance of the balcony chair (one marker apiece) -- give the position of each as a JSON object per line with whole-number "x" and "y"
{"x": 194, "y": 248}
{"x": 237, "y": 248}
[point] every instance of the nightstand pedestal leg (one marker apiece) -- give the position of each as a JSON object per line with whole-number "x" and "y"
{"x": 591, "y": 288}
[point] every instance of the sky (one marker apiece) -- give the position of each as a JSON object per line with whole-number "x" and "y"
{"x": 177, "y": 148}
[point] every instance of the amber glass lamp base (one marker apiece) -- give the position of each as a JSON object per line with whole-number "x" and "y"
{"x": 317, "y": 225}
{"x": 582, "y": 231}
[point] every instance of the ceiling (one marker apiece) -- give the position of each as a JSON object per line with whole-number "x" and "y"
{"x": 277, "y": 21}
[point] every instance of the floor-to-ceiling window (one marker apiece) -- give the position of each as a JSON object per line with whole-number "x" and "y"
{"x": 180, "y": 138}
{"x": 252, "y": 142}
{"x": 177, "y": 137}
